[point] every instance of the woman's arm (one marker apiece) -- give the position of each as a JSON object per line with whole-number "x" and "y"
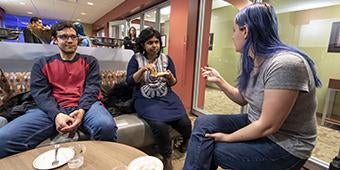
{"x": 135, "y": 74}
{"x": 171, "y": 79}
{"x": 212, "y": 75}
{"x": 131, "y": 69}
{"x": 285, "y": 76}
{"x": 171, "y": 76}
{"x": 276, "y": 107}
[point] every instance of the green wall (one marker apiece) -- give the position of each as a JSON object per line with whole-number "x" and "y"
{"x": 308, "y": 30}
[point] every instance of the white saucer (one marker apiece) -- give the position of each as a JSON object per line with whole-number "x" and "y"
{"x": 44, "y": 160}
{"x": 146, "y": 163}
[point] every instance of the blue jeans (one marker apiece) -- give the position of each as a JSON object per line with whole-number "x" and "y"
{"x": 204, "y": 153}
{"x": 3, "y": 121}
{"x": 30, "y": 129}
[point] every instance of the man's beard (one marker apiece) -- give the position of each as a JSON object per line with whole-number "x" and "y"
{"x": 68, "y": 52}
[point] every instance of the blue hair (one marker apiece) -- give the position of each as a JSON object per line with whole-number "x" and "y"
{"x": 263, "y": 39}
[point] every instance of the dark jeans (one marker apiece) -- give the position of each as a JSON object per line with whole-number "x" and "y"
{"x": 161, "y": 133}
{"x": 30, "y": 129}
{"x": 204, "y": 153}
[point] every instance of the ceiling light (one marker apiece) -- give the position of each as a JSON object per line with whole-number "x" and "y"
{"x": 78, "y": 19}
{"x": 83, "y": 13}
{"x": 148, "y": 16}
{"x": 90, "y": 3}
{"x": 29, "y": 12}
{"x": 22, "y": 3}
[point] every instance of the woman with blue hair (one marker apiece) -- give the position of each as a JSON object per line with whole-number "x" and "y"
{"x": 278, "y": 84}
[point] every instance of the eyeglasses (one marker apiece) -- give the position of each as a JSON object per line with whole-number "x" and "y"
{"x": 66, "y": 37}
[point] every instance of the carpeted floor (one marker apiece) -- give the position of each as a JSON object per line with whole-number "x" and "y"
{"x": 328, "y": 141}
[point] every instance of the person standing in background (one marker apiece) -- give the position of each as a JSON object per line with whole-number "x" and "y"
{"x": 28, "y": 34}
{"x": 36, "y": 32}
{"x": 130, "y": 40}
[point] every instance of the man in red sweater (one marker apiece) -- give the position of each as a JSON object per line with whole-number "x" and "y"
{"x": 66, "y": 89}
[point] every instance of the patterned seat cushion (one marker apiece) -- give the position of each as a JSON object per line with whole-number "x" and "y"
{"x": 12, "y": 83}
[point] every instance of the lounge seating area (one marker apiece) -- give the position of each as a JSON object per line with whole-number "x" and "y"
{"x": 132, "y": 130}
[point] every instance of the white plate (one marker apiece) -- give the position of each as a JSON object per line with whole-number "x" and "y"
{"x": 44, "y": 160}
{"x": 146, "y": 163}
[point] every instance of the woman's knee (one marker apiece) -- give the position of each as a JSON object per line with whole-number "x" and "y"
{"x": 202, "y": 122}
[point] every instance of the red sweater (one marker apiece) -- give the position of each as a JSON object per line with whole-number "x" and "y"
{"x": 56, "y": 83}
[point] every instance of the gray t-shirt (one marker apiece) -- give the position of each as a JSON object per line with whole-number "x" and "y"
{"x": 287, "y": 70}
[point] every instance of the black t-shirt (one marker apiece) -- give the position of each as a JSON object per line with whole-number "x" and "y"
{"x": 130, "y": 44}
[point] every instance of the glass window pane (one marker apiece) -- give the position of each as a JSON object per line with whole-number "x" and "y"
{"x": 222, "y": 55}
{"x": 164, "y": 26}
{"x": 100, "y": 33}
{"x": 117, "y": 29}
{"x": 306, "y": 25}
{"x": 136, "y": 22}
{"x": 150, "y": 19}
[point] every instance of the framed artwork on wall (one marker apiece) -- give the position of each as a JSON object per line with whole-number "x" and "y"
{"x": 211, "y": 41}
{"x": 334, "y": 40}
{"x": 163, "y": 38}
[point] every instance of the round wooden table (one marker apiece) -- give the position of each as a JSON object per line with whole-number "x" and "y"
{"x": 98, "y": 155}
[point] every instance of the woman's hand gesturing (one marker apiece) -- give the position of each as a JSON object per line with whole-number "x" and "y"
{"x": 211, "y": 74}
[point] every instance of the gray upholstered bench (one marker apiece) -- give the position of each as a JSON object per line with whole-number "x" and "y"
{"x": 136, "y": 132}
{"x": 133, "y": 131}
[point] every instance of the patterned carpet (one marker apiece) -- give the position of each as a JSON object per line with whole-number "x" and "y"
{"x": 328, "y": 141}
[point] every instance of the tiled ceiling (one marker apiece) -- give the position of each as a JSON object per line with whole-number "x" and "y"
{"x": 74, "y": 10}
